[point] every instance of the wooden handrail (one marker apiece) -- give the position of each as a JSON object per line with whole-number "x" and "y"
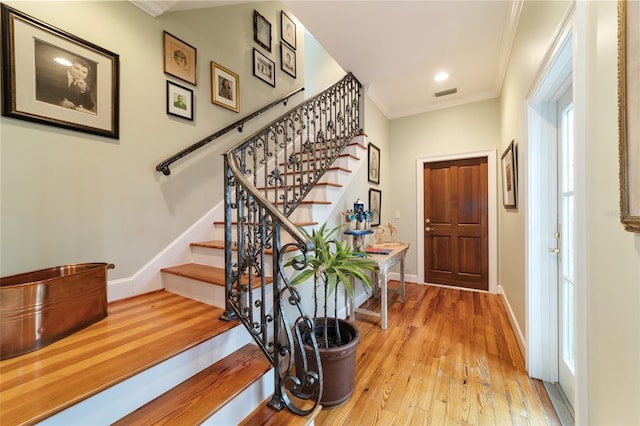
{"x": 164, "y": 166}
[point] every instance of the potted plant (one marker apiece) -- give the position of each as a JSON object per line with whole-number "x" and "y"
{"x": 330, "y": 265}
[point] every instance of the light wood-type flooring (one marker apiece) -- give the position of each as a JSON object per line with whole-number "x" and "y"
{"x": 448, "y": 357}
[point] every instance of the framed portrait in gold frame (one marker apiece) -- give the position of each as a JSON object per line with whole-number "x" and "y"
{"x": 628, "y": 108}
{"x": 225, "y": 87}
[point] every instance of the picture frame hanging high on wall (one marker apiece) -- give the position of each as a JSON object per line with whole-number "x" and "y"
{"x": 287, "y": 30}
{"x": 179, "y": 101}
{"x": 628, "y": 111}
{"x": 225, "y": 87}
{"x": 264, "y": 68}
{"x": 180, "y": 58}
{"x": 509, "y": 177}
{"x": 261, "y": 31}
{"x": 373, "y": 163}
{"x": 288, "y": 60}
{"x": 53, "y": 77}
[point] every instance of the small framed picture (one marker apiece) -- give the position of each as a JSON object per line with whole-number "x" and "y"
{"x": 287, "y": 30}
{"x": 180, "y": 59}
{"x": 55, "y": 78}
{"x": 374, "y": 163}
{"x": 375, "y": 205}
{"x": 179, "y": 101}
{"x": 225, "y": 87}
{"x": 509, "y": 177}
{"x": 264, "y": 68}
{"x": 288, "y": 60}
{"x": 261, "y": 31}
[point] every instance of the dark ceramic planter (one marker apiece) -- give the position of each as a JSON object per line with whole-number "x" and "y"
{"x": 338, "y": 364}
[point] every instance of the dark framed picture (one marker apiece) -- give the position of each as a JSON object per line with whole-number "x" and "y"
{"x": 509, "y": 177}
{"x": 628, "y": 108}
{"x": 287, "y": 30}
{"x": 264, "y": 68}
{"x": 55, "y": 78}
{"x": 288, "y": 60}
{"x": 179, "y": 101}
{"x": 375, "y": 205}
{"x": 374, "y": 163}
{"x": 180, "y": 58}
{"x": 261, "y": 31}
{"x": 225, "y": 87}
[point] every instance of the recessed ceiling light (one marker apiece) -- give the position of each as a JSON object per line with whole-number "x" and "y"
{"x": 441, "y": 76}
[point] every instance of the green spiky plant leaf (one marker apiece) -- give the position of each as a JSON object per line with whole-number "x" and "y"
{"x": 331, "y": 264}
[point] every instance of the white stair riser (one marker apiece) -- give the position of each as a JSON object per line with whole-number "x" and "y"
{"x": 121, "y": 399}
{"x": 317, "y": 193}
{"x": 302, "y": 213}
{"x": 210, "y": 294}
{"x": 311, "y": 213}
{"x": 208, "y": 256}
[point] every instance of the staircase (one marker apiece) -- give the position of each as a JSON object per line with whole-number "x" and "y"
{"x": 166, "y": 357}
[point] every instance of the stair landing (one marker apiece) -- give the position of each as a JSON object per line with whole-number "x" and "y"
{"x": 137, "y": 334}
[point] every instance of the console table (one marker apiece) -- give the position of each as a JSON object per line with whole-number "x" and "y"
{"x": 383, "y": 263}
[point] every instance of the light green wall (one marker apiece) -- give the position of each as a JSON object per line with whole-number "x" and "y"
{"x": 537, "y": 26}
{"x": 69, "y": 197}
{"x": 613, "y": 255}
{"x": 463, "y": 129}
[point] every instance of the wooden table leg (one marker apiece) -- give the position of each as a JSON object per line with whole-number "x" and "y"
{"x": 402, "y": 280}
{"x": 383, "y": 302}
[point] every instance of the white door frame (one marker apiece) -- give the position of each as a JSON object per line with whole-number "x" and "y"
{"x": 490, "y": 155}
{"x": 565, "y": 58}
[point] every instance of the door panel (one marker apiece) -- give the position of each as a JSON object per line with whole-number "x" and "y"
{"x": 456, "y": 224}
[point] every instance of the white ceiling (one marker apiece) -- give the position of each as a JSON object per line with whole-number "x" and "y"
{"x": 396, "y": 47}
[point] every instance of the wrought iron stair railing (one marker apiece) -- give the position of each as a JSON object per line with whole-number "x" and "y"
{"x": 266, "y": 178}
{"x": 165, "y": 165}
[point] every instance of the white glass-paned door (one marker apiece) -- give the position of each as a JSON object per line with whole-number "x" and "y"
{"x": 566, "y": 202}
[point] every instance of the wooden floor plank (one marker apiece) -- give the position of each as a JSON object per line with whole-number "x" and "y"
{"x": 448, "y": 357}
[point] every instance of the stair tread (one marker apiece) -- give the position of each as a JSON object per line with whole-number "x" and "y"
{"x": 307, "y": 202}
{"x": 296, "y": 185}
{"x": 308, "y": 160}
{"x": 208, "y": 274}
{"x": 199, "y": 397}
{"x": 219, "y": 244}
{"x": 138, "y": 333}
{"x": 333, "y": 169}
{"x": 298, "y": 224}
{"x": 266, "y": 416}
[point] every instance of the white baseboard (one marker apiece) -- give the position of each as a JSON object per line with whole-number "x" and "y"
{"x": 408, "y": 278}
{"x": 148, "y": 278}
{"x": 514, "y": 323}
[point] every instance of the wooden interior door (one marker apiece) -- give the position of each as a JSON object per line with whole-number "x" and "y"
{"x": 456, "y": 249}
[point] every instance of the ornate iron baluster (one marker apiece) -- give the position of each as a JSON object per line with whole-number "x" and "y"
{"x": 266, "y": 178}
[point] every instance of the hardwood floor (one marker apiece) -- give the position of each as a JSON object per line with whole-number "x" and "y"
{"x": 449, "y": 357}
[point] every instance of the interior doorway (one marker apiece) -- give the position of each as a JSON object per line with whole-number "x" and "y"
{"x": 455, "y": 236}
{"x": 555, "y": 226}
{"x": 490, "y": 156}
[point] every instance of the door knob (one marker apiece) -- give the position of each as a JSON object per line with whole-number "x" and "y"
{"x": 428, "y": 229}
{"x": 427, "y": 221}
